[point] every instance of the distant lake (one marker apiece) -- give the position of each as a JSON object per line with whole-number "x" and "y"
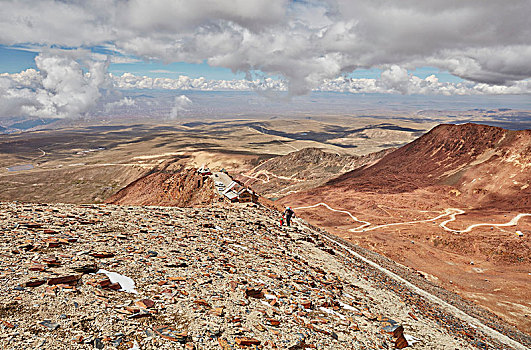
{"x": 20, "y": 167}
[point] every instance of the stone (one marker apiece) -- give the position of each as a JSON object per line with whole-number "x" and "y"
{"x": 245, "y": 341}
{"x": 254, "y": 293}
{"x": 145, "y": 303}
{"x": 201, "y": 302}
{"x": 49, "y": 325}
{"x": 401, "y": 342}
{"x": 69, "y": 279}
{"x": 170, "y": 333}
{"x": 102, "y": 255}
{"x": 88, "y": 268}
{"x": 34, "y": 283}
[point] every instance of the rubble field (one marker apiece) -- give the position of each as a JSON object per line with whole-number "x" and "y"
{"x": 219, "y": 277}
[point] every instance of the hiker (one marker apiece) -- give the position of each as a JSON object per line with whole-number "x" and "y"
{"x": 281, "y": 221}
{"x": 288, "y": 214}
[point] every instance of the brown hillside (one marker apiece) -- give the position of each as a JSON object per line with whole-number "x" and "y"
{"x": 180, "y": 188}
{"x": 489, "y": 165}
{"x": 304, "y": 169}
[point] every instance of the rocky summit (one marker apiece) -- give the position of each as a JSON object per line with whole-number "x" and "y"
{"x": 220, "y": 277}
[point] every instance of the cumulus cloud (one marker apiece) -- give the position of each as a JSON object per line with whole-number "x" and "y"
{"x": 306, "y": 42}
{"x": 61, "y": 87}
{"x": 181, "y": 104}
{"x": 124, "y": 102}
{"x": 131, "y": 81}
{"x": 393, "y": 79}
{"x": 396, "y": 79}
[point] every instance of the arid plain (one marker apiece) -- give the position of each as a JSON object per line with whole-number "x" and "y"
{"x": 89, "y": 163}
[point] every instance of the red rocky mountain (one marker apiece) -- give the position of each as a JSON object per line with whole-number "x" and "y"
{"x": 488, "y": 166}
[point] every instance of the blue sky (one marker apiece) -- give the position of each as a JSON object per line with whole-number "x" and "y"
{"x": 13, "y": 60}
{"x": 174, "y": 70}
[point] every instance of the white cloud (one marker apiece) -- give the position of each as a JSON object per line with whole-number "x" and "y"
{"x": 130, "y": 81}
{"x": 307, "y": 42}
{"x": 394, "y": 79}
{"x": 61, "y": 87}
{"x": 126, "y": 101}
{"x": 181, "y": 104}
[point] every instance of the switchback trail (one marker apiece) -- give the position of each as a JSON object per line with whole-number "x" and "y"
{"x": 451, "y": 212}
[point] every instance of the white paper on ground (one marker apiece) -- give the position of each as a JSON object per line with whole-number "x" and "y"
{"x": 411, "y": 339}
{"x": 127, "y": 283}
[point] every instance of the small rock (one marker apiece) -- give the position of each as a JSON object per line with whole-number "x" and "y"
{"x": 50, "y": 325}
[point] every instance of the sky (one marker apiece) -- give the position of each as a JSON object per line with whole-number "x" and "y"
{"x": 61, "y": 58}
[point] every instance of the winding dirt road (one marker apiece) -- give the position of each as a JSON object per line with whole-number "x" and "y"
{"x": 450, "y": 212}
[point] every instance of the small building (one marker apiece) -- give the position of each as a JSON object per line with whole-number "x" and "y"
{"x": 236, "y": 192}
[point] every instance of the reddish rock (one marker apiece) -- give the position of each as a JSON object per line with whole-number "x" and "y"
{"x": 70, "y": 279}
{"x": 34, "y": 283}
{"x": 244, "y": 341}
{"x": 201, "y": 302}
{"x": 145, "y": 303}
{"x": 254, "y": 293}
{"x": 401, "y": 342}
{"x": 272, "y": 322}
{"x": 114, "y": 286}
{"x": 7, "y": 324}
{"x": 102, "y": 254}
{"x": 140, "y": 314}
{"x": 37, "y": 267}
{"x": 307, "y": 304}
{"x": 51, "y": 261}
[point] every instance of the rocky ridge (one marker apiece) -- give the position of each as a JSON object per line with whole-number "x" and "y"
{"x": 179, "y": 187}
{"x": 304, "y": 169}
{"x": 219, "y": 277}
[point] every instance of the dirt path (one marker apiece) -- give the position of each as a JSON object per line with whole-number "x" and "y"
{"x": 512, "y": 222}
{"x": 451, "y": 212}
{"x": 365, "y": 223}
{"x": 268, "y": 174}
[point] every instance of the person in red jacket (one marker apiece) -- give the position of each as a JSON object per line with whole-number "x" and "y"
{"x": 288, "y": 214}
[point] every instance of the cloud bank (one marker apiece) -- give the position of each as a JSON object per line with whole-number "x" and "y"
{"x": 61, "y": 88}
{"x": 393, "y": 80}
{"x": 311, "y": 44}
